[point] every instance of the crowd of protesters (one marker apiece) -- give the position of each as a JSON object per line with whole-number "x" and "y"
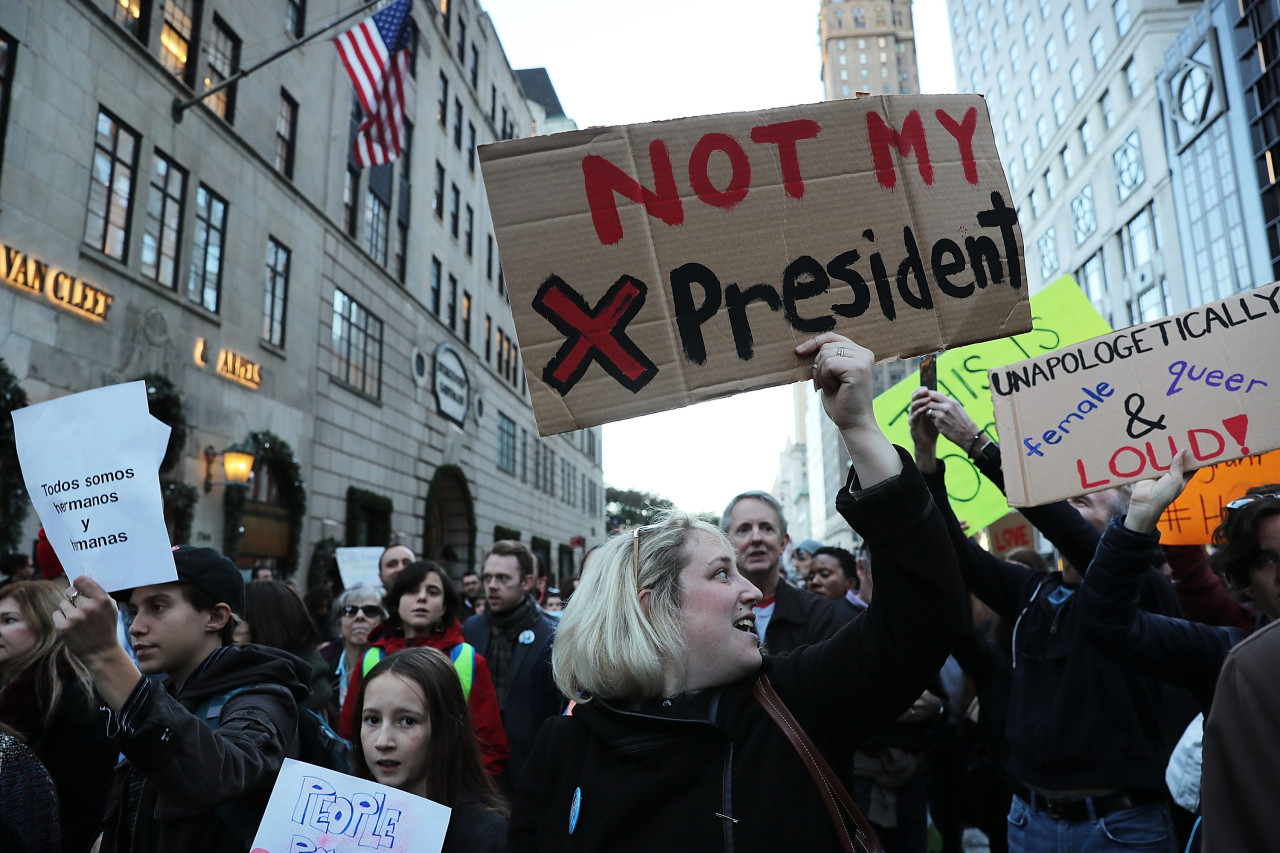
{"x": 702, "y": 688}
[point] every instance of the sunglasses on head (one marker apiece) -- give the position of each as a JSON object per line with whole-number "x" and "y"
{"x": 373, "y": 611}
{"x": 1241, "y": 503}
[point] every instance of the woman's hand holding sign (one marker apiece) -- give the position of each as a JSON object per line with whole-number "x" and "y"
{"x": 1152, "y": 497}
{"x": 842, "y": 373}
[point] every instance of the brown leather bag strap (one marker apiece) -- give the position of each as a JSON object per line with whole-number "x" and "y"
{"x": 834, "y": 795}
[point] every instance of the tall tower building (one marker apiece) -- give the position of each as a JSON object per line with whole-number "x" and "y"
{"x": 868, "y": 46}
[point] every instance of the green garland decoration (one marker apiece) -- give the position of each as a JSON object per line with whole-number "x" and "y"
{"x": 377, "y": 508}
{"x": 276, "y": 454}
{"x": 13, "y": 493}
{"x": 165, "y": 404}
{"x": 433, "y": 497}
{"x": 180, "y": 503}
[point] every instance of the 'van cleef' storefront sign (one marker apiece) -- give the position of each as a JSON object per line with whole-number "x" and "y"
{"x": 35, "y": 277}
{"x": 452, "y": 386}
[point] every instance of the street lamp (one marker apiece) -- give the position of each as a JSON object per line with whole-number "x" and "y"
{"x": 237, "y": 464}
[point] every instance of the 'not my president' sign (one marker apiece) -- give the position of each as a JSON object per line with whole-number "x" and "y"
{"x": 652, "y": 266}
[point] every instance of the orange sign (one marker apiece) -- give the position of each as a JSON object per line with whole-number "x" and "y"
{"x": 1193, "y": 517}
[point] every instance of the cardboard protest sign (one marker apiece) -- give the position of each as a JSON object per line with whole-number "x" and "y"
{"x": 315, "y": 810}
{"x": 358, "y": 565}
{"x": 656, "y": 265}
{"x": 1116, "y": 408}
{"x": 1062, "y": 315}
{"x": 1192, "y": 518}
{"x": 91, "y": 462}
{"x": 1010, "y": 533}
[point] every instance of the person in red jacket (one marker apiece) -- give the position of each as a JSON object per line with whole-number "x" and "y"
{"x": 424, "y": 605}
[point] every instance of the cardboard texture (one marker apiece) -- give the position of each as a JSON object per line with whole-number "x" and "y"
{"x": 656, "y": 265}
{"x": 1115, "y": 409}
{"x": 1011, "y": 533}
{"x": 1192, "y": 518}
{"x": 1062, "y": 315}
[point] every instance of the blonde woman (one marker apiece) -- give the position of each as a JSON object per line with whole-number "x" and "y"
{"x": 47, "y": 699}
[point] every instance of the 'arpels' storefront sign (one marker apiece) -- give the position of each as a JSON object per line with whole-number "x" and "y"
{"x": 33, "y": 276}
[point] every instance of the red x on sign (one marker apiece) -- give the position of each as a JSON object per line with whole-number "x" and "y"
{"x": 597, "y": 334}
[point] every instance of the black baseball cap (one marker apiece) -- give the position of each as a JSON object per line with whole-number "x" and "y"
{"x": 210, "y": 572}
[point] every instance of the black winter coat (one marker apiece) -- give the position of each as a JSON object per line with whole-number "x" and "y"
{"x": 182, "y": 769}
{"x": 710, "y": 770}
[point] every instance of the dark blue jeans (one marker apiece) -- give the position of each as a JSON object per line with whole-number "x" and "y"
{"x": 1145, "y": 829}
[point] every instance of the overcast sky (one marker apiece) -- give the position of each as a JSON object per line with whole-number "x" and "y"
{"x": 624, "y": 63}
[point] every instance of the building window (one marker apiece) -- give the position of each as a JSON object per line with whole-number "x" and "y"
{"x": 451, "y": 307}
{"x": 1121, "y": 10}
{"x": 1002, "y": 80}
{"x": 1029, "y": 32}
{"x": 1035, "y": 203}
{"x": 286, "y": 134}
{"x": 469, "y": 233}
{"x": 1131, "y": 77}
{"x": 995, "y": 38}
{"x": 437, "y": 197}
{"x": 1098, "y": 47}
{"x": 1013, "y": 174}
{"x": 1008, "y": 128}
{"x": 204, "y": 286}
{"x": 1028, "y": 157}
{"x": 462, "y": 41}
{"x": 1069, "y": 24}
{"x": 471, "y": 146}
{"x": 1015, "y": 58}
{"x": 1139, "y": 241}
{"x": 1051, "y": 53}
{"x": 436, "y": 273}
{"x": 295, "y": 17}
{"x": 1077, "y": 80}
{"x": 986, "y": 60}
{"x": 1048, "y": 244}
{"x": 377, "y": 219}
{"x": 1020, "y": 104}
{"x": 134, "y": 16}
{"x": 164, "y": 222}
{"x": 475, "y": 67}
{"x": 1067, "y": 168}
{"x": 1059, "y": 108}
{"x": 457, "y": 124}
{"x": 176, "y": 36}
{"x": 1083, "y": 214}
{"x": 455, "y": 202}
{"x": 1045, "y": 7}
{"x": 488, "y": 338}
{"x": 1108, "y": 111}
{"x": 224, "y": 61}
{"x": 1128, "y": 163}
{"x": 277, "y": 292}
{"x": 1034, "y": 76}
{"x": 1008, "y": 12}
{"x": 1093, "y": 278}
{"x": 350, "y": 192}
{"x": 1149, "y": 305}
{"x": 115, "y": 159}
{"x": 1086, "y": 138}
{"x": 466, "y": 317}
{"x": 1042, "y": 132}
{"x": 488, "y": 262}
{"x": 506, "y": 444}
{"x": 1050, "y": 184}
{"x": 357, "y": 345}
{"x": 442, "y": 106}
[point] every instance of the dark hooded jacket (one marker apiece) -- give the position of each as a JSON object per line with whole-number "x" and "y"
{"x": 711, "y": 770}
{"x": 178, "y": 769}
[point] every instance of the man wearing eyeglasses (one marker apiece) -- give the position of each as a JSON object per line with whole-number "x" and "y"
{"x": 514, "y": 636}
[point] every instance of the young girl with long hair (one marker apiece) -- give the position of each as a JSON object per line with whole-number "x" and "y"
{"x": 415, "y": 735}
{"x": 47, "y": 699}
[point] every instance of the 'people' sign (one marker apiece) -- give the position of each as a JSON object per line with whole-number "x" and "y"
{"x": 315, "y": 810}
{"x": 1117, "y": 408}
{"x": 657, "y": 265}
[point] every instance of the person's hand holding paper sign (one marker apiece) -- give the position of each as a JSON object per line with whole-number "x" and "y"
{"x": 947, "y": 415}
{"x": 87, "y": 621}
{"x": 1150, "y": 498}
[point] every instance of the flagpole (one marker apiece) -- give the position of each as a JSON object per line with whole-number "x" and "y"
{"x": 180, "y": 106}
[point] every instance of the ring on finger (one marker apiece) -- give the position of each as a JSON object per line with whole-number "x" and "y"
{"x": 75, "y": 593}
{"x": 839, "y": 352}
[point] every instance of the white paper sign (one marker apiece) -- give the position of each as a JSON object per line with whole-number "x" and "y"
{"x": 91, "y": 465}
{"x": 359, "y": 566}
{"x": 314, "y": 810}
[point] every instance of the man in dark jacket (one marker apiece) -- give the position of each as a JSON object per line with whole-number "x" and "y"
{"x": 186, "y": 785}
{"x": 1087, "y": 754}
{"x": 514, "y": 636}
{"x": 786, "y": 617}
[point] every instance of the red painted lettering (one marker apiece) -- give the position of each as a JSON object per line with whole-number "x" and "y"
{"x": 963, "y": 132}
{"x": 1142, "y": 462}
{"x": 1084, "y": 478}
{"x": 603, "y": 179}
{"x": 1151, "y": 455}
{"x": 739, "y": 179}
{"x": 785, "y": 134}
{"x": 1197, "y": 450}
{"x": 911, "y": 138}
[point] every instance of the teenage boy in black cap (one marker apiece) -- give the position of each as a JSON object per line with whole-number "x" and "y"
{"x": 186, "y": 785}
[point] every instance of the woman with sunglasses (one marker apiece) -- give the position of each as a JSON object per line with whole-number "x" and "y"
{"x": 670, "y": 746}
{"x": 357, "y": 614}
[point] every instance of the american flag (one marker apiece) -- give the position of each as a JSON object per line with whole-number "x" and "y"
{"x": 376, "y": 54}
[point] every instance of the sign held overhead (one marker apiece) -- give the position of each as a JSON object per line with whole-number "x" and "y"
{"x": 652, "y": 266}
